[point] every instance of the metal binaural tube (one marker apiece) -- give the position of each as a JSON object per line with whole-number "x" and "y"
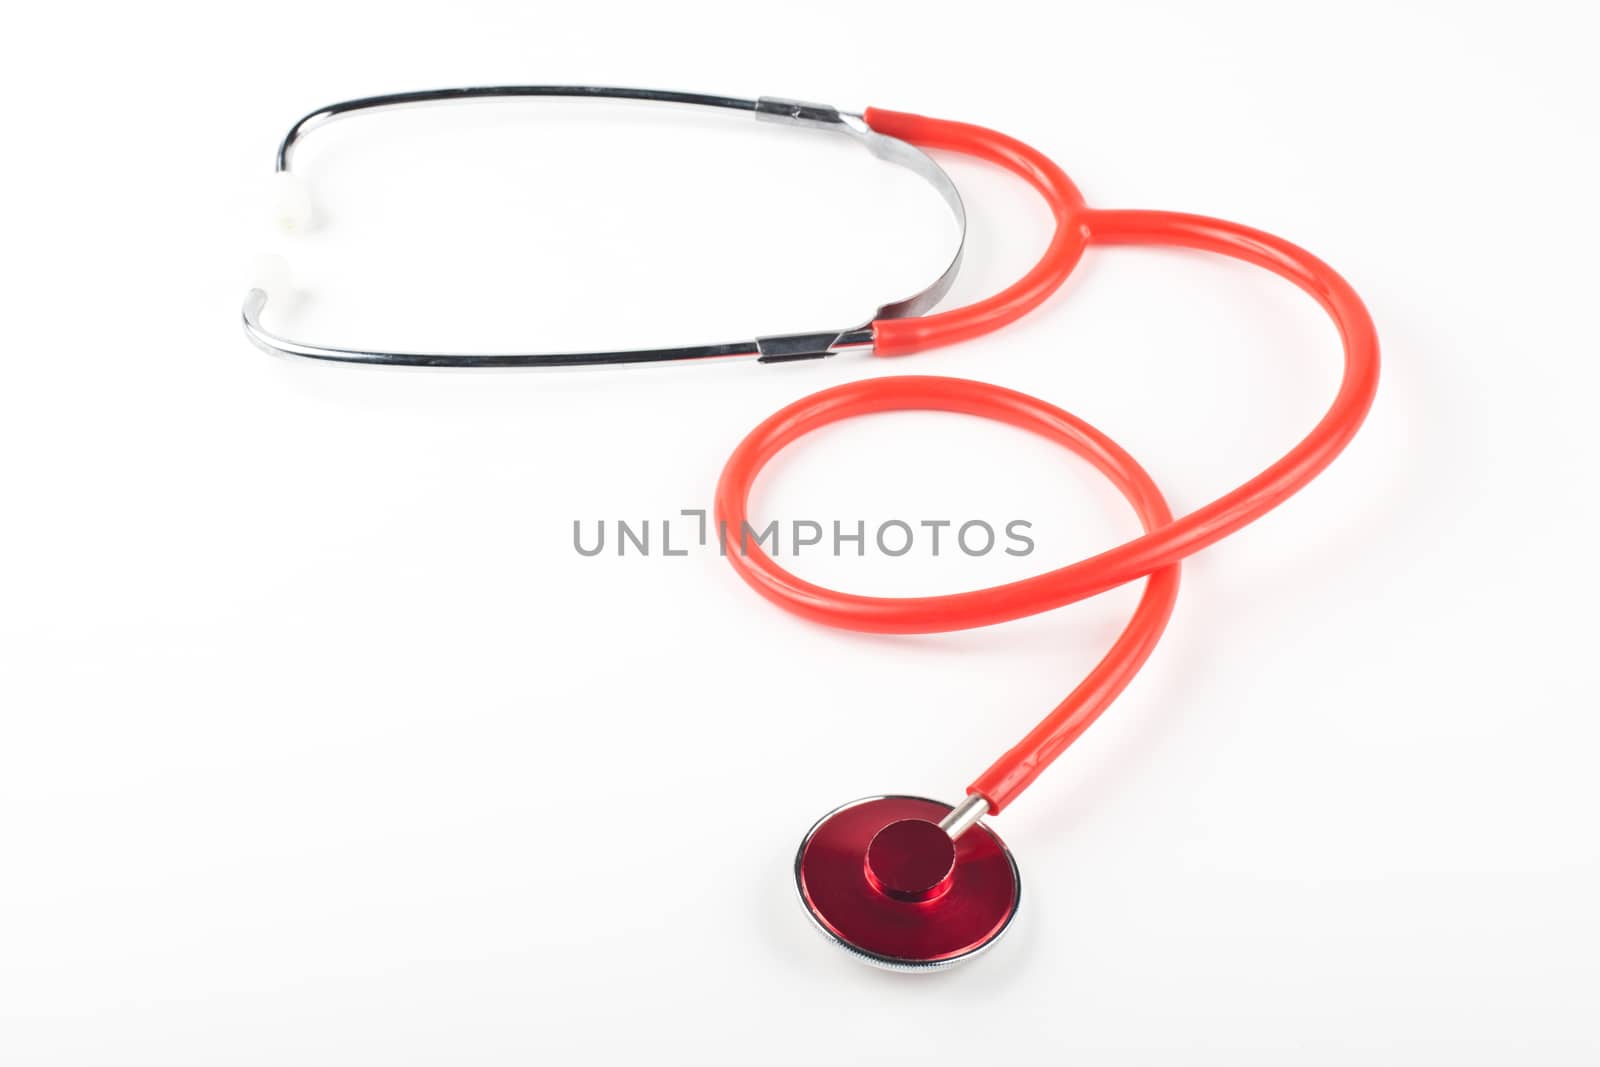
{"x": 322, "y": 116}
{"x": 294, "y": 212}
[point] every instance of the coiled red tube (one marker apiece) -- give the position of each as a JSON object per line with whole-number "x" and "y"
{"x": 1157, "y": 553}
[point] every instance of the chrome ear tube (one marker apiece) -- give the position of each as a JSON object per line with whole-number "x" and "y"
{"x": 295, "y": 210}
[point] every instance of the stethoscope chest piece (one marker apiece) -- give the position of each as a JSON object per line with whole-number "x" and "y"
{"x": 893, "y": 881}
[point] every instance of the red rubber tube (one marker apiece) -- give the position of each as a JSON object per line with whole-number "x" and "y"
{"x": 899, "y": 337}
{"x": 1157, "y": 553}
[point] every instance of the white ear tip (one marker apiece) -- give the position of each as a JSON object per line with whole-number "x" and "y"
{"x": 291, "y": 203}
{"x": 271, "y": 276}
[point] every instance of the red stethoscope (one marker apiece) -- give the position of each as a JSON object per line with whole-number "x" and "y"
{"x": 905, "y": 882}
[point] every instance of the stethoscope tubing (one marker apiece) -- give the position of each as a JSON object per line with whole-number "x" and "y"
{"x": 1157, "y": 553}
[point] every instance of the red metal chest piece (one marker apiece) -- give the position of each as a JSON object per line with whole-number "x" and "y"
{"x": 880, "y": 878}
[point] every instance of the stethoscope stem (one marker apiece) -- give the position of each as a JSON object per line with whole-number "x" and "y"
{"x": 964, "y": 815}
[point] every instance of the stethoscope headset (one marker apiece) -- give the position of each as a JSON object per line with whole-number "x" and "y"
{"x": 906, "y": 882}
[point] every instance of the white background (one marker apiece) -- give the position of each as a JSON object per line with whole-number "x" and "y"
{"x": 319, "y": 744}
